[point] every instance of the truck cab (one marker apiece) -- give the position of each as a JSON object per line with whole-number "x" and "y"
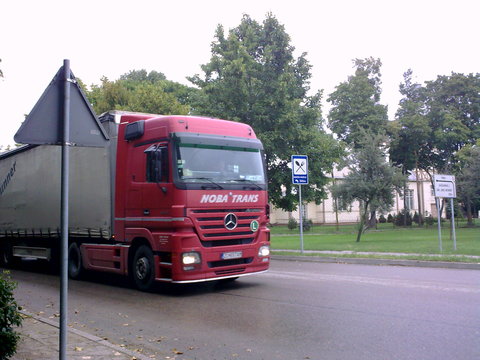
{"x": 190, "y": 199}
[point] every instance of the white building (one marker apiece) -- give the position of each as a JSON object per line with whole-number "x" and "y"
{"x": 418, "y": 193}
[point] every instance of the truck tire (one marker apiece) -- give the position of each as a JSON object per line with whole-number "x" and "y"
{"x": 75, "y": 265}
{"x": 142, "y": 268}
{"x": 6, "y": 256}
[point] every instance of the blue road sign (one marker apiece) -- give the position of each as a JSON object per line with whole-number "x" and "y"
{"x": 299, "y": 169}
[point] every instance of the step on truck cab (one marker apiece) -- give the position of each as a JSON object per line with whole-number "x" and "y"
{"x": 176, "y": 199}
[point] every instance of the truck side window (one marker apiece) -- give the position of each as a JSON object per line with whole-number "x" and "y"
{"x": 157, "y": 164}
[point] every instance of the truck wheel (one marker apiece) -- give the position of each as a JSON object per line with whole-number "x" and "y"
{"x": 75, "y": 266}
{"x": 7, "y": 259}
{"x": 143, "y": 268}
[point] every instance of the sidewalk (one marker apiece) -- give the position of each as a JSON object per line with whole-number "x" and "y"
{"x": 40, "y": 337}
{"x": 398, "y": 260}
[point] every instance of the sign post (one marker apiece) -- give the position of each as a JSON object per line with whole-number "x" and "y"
{"x": 49, "y": 124}
{"x": 444, "y": 187}
{"x": 65, "y": 211}
{"x": 300, "y": 176}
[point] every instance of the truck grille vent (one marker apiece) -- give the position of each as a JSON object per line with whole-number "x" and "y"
{"x": 210, "y": 225}
{"x": 228, "y": 242}
{"x": 229, "y": 272}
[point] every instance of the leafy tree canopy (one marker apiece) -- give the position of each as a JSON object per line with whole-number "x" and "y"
{"x": 355, "y": 103}
{"x": 435, "y": 121}
{"x": 253, "y": 77}
{"x": 410, "y": 131}
{"x": 140, "y": 91}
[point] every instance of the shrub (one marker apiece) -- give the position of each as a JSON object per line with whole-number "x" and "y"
{"x": 307, "y": 224}
{"x": 9, "y": 317}
{"x": 292, "y": 223}
{"x": 416, "y": 218}
{"x": 390, "y": 218}
{"x": 429, "y": 220}
{"x": 382, "y": 219}
{"x": 404, "y": 218}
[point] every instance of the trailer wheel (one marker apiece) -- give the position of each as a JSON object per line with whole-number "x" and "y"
{"x": 143, "y": 268}
{"x": 75, "y": 266}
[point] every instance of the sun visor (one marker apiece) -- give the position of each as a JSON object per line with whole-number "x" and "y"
{"x": 217, "y": 140}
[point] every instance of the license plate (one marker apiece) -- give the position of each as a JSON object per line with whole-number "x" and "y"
{"x": 232, "y": 255}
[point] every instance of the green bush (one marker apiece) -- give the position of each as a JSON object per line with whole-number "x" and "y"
{"x": 9, "y": 317}
{"x": 292, "y": 223}
{"x": 416, "y": 218}
{"x": 307, "y": 224}
{"x": 390, "y": 218}
{"x": 382, "y": 219}
{"x": 404, "y": 218}
{"x": 429, "y": 220}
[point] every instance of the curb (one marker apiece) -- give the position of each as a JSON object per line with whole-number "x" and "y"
{"x": 97, "y": 340}
{"x": 380, "y": 262}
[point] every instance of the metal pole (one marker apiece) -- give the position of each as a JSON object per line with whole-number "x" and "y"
{"x": 453, "y": 226}
{"x": 301, "y": 217}
{"x": 437, "y": 202}
{"x": 64, "y": 215}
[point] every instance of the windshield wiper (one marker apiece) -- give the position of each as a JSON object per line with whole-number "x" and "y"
{"x": 203, "y": 178}
{"x": 250, "y": 182}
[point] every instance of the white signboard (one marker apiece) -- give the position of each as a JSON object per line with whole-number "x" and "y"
{"x": 444, "y": 186}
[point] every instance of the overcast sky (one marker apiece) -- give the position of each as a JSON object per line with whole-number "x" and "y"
{"x": 111, "y": 37}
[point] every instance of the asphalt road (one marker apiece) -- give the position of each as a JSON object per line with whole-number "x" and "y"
{"x": 297, "y": 310}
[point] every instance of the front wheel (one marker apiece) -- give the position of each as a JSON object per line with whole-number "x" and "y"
{"x": 6, "y": 256}
{"x": 143, "y": 268}
{"x": 75, "y": 266}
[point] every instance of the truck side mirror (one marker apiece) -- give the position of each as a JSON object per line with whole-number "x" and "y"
{"x": 157, "y": 164}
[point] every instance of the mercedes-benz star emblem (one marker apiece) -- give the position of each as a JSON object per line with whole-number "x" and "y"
{"x": 230, "y": 221}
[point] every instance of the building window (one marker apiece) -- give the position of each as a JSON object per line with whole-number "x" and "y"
{"x": 304, "y": 211}
{"x": 409, "y": 199}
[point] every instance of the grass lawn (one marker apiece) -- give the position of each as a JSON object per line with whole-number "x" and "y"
{"x": 386, "y": 238}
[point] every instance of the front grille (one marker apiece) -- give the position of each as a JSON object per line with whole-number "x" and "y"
{"x": 210, "y": 226}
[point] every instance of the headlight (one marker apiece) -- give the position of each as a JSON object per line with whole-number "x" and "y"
{"x": 264, "y": 251}
{"x": 191, "y": 258}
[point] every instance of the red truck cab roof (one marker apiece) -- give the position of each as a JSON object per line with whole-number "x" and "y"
{"x": 168, "y": 124}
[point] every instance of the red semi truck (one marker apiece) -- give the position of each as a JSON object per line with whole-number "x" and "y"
{"x": 176, "y": 199}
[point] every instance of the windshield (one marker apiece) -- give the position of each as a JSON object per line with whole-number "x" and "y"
{"x": 220, "y": 166}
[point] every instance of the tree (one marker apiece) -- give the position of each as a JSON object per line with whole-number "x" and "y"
{"x": 371, "y": 180}
{"x": 253, "y": 77}
{"x": 410, "y": 131}
{"x": 468, "y": 184}
{"x": 142, "y": 92}
{"x": 435, "y": 122}
{"x": 452, "y": 107}
{"x": 355, "y": 103}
